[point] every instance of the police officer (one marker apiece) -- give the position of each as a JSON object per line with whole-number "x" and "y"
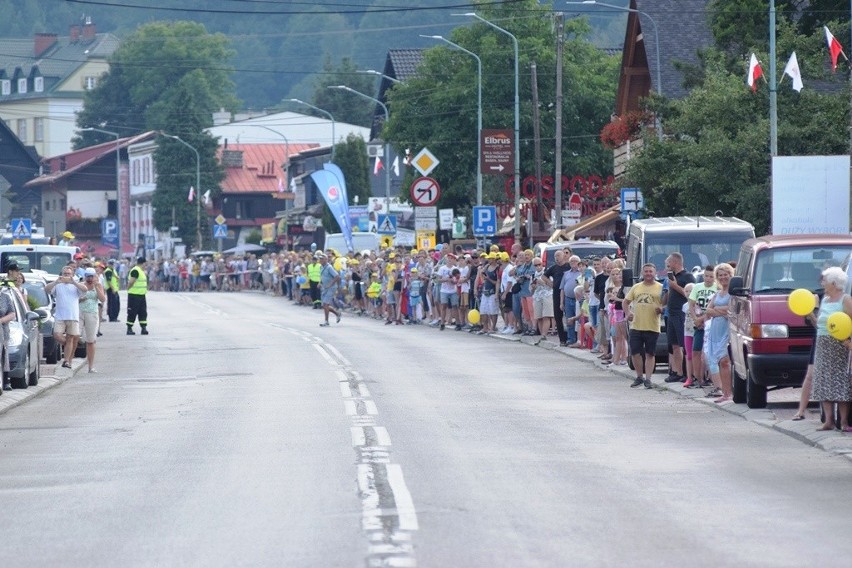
{"x": 113, "y": 299}
{"x": 137, "y": 287}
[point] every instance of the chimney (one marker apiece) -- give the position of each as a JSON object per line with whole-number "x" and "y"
{"x": 42, "y": 43}
{"x": 88, "y": 30}
{"x": 74, "y": 33}
{"x": 232, "y": 158}
{"x": 62, "y": 164}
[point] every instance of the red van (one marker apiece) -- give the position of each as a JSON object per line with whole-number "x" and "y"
{"x": 770, "y": 346}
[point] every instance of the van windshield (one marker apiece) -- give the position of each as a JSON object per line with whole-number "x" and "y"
{"x": 50, "y": 262}
{"x": 698, "y": 248}
{"x": 796, "y": 267}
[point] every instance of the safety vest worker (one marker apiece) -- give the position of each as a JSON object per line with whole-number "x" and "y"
{"x": 137, "y": 286}
{"x": 314, "y": 272}
{"x": 112, "y": 287}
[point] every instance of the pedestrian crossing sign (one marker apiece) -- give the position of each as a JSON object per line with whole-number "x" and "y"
{"x": 22, "y": 228}
{"x": 220, "y": 231}
{"x": 387, "y": 225}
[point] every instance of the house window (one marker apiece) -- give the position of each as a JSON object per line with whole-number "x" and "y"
{"x": 38, "y": 129}
{"x": 6, "y": 87}
{"x": 62, "y": 204}
{"x": 22, "y": 85}
{"x": 146, "y": 170}
{"x": 22, "y": 129}
{"x": 38, "y": 84}
{"x": 135, "y": 172}
{"x": 90, "y": 83}
{"x": 47, "y": 205}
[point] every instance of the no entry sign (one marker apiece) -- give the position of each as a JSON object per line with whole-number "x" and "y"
{"x": 425, "y": 191}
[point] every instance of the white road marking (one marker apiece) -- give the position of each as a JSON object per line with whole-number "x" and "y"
{"x": 382, "y": 436}
{"x": 402, "y": 497}
{"x": 324, "y": 354}
{"x": 359, "y": 438}
{"x": 363, "y": 390}
{"x": 345, "y": 391}
{"x": 370, "y": 407}
{"x": 350, "y": 408}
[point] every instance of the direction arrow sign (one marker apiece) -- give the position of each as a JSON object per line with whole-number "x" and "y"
{"x": 484, "y": 221}
{"x": 498, "y": 152}
{"x": 387, "y": 225}
{"x": 425, "y": 191}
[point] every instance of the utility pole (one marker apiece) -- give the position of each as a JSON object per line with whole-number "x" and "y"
{"x": 557, "y": 175}
{"x": 537, "y": 146}
{"x": 773, "y": 87}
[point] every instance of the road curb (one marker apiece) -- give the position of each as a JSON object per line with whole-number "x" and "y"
{"x": 16, "y": 397}
{"x": 834, "y": 442}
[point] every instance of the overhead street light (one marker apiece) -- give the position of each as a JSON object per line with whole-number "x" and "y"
{"x": 118, "y": 198}
{"x": 325, "y": 112}
{"x": 379, "y": 74}
{"x": 197, "y": 186}
{"x": 517, "y": 123}
{"x": 387, "y": 146}
{"x": 478, "y": 113}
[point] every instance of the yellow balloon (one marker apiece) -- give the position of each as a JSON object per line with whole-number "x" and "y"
{"x": 840, "y": 326}
{"x": 801, "y": 302}
{"x": 473, "y": 317}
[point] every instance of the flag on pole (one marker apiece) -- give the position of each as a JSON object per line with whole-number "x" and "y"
{"x": 378, "y": 166}
{"x": 395, "y": 166}
{"x": 792, "y": 69}
{"x": 191, "y": 195}
{"x": 834, "y": 48}
{"x": 293, "y": 184}
{"x": 280, "y": 185}
{"x": 755, "y": 72}
{"x": 205, "y": 199}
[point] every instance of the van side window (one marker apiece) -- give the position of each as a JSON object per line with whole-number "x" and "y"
{"x": 743, "y": 263}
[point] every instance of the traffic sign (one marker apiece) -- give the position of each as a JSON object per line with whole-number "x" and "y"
{"x": 425, "y": 240}
{"x": 22, "y": 228}
{"x": 498, "y": 152}
{"x": 220, "y": 220}
{"x": 445, "y": 217}
{"x": 425, "y": 162}
{"x": 387, "y": 225}
{"x": 425, "y": 191}
{"x": 220, "y": 231}
{"x": 631, "y": 199}
{"x": 484, "y": 221}
{"x": 386, "y": 241}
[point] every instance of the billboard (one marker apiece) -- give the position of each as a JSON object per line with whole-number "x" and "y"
{"x": 810, "y": 194}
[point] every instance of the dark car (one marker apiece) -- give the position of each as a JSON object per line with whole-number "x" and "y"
{"x": 24, "y": 343}
{"x": 42, "y": 303}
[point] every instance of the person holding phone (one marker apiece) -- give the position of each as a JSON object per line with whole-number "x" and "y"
{"x": 675, "y": 298}
{"x": 66, "y": 328}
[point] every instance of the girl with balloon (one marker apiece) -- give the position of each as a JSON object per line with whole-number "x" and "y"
{"x": 831, "y": 382}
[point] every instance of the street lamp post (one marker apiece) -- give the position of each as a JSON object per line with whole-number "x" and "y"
{"x": 478, "y": 113}
{"x": 517, "y": 124}
{"x": 118, "y": 199}
{"x": 656, "y": 45}
{"x": 325, "y": 112}
{"x": 387, "y": 147}
{"x": 197, "y": 186}
{"x": 380, "y": 74}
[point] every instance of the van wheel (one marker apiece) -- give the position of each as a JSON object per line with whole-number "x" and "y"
{"x": 755, "y": 393}
{"x": 739, "y": 386}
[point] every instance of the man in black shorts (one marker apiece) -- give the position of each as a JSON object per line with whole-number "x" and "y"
{"x": 645, "y": 299}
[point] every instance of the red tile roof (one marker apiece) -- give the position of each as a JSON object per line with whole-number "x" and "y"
{"x": 261, "y": 170}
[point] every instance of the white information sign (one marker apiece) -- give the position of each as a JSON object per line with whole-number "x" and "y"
{"x": 810, "y": 194}
{"x": 445, "y": 219}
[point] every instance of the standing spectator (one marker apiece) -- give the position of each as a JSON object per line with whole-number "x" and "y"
{"x": 618, "y": 321}
{"x": 675, "y": 299}
{"x": 113, "y": 299}
{"x": 645, "y": 298}
{"x": 449, "y": 292}
{"x": 831, "y": 382}
{"x": 594, "y": 302}
{"x": 329, "y": 279}
{"x": 7, "y": 314}
{"x": 554, "y": 275}
{"x": 716, "y": 339}
{"x": 688, "y": 334}
{"x": 542, "y": 299}
{"x": 489, "y": 307}
{"x": 524, "y": 272}
{"x": 507, "y": 284}
{"x": 89, "y": 319}
{"x": 567, "y": 299}
{"x": 603, "y": 329}
{"x": 137, "y": 304}
{"x": 66, "y": 328}
{"x": 699, "y": 299}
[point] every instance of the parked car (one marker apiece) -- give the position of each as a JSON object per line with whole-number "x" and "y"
{"x": 770, "y": 346}
{"x": 583, "y": 248}
{"x": 47, "y": 258}
{"x": 42, "y": 303}
{"x": 24, "y": 342}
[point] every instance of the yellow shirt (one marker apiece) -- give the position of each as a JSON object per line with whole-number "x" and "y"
{"x": 644, "y": 301}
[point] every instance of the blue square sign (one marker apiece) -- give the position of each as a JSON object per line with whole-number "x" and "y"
{"x": 484, "y": 221}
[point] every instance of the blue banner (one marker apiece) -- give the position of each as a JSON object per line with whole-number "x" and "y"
{"x": 329, "y": 185}
{"x": 341, "y": 179}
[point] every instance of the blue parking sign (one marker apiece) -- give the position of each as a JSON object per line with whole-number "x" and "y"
{"x": 484, "y": 221}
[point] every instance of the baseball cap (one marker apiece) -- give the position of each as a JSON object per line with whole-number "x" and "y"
{"x": 78, "y": 256}
{"x": 90, "y": 272}
{"x": 413, "y": 270}
{"x": 140, "y": 260}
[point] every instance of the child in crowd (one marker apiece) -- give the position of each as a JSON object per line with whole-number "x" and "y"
{"x": 415, "y": 308}
{"x": 374, "y": 294}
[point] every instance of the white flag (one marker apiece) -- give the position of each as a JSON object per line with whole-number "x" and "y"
{"x": 792, "y": 69}
{"x": 293, "y": 184}
{"x": 395, "y": 166}
{"x": 205, "y": 199}
{"x": 191, "y": 195}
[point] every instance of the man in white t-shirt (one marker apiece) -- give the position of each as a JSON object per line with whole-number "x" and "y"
{"x": 449, "y": 299}
{"x": 66, "y": 328}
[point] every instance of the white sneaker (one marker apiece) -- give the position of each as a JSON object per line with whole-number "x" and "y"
{"x": 93, "y": 370}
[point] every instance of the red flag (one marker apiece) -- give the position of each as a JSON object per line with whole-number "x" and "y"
{"x": 754, "y": 72}
{"x": 834, "y": 48}
{"x": 377, "y": 168}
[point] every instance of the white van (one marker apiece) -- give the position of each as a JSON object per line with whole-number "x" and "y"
{"x": 48, "y": 258}
{"x": 360, "y": 242}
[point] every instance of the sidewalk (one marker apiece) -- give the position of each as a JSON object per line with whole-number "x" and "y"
{"x": 834, "y": 442}
{"x": 51, "y": 376}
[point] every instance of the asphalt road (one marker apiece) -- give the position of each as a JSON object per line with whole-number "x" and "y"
{"x": 239, "y": 433}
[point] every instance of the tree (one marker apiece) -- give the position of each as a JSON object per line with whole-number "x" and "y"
{"x": 438, "y": 107}
{"x": 343, "y": 106}
{"x": 351, "y": 157}
{"x": 144, "y": 71}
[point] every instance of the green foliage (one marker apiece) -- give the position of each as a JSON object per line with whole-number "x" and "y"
{"x": 438, "y": 108}
{"x": 351, "y": 157}
{"x": 344, "y": 106}
{"x": 154, "y": 62}
{"x": 254, "y": 237}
